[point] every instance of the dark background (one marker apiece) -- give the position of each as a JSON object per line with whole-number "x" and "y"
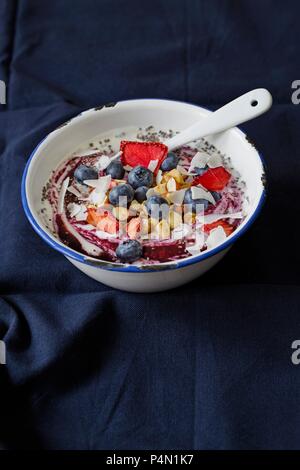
{"x": 204, "y": 367}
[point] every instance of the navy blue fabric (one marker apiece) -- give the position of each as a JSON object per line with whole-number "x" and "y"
{"x": 206, "y": 366}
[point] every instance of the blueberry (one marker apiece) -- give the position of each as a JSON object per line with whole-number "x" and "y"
{"x": 122, "y": 190}
{"x": 84, "y": 172}
{"x": 129, "y": 251}
{"x": 140, "y": 193}
{"x": 200, "y": 171}
{"x": 193, "y": 202}
{"x": 116, "y": 170}
{"x": 157, "y": 207}
{"x": 217, "y": 196}
{"x": 140, "y": 176}
{"x": 170, "y": 162}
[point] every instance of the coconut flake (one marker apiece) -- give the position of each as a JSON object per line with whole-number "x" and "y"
{"x": 102, "y": 234}
{"x": 215, "y": 237}
{"x": 101, "y": 184}
{"x": 177, "y": 196}
{"x": 102, "y": 162}
{"x": 73, "y": 209}
{"x": 78, "y": 211}
{"x": 210, "y": 218}
{"x": 159, "y": 177}
{"x": 97, "y": 197}
{"x": 85, "y": 226}
{"x": 194, "y": 249}
{"x": 74, "y": 191}
{"x": 116, "y": 156}
{"x": 198, "y": 245}
{"x": 171, "y": 185}
{"x": 215, "y": 161}
{"x": 152, "y": 165}
{"x": 86, "y": 153}
{"x": 200, "y": 193}
{"x": 181, "y": 231}
{"x": 62, "y": 194}
{"x": 199, "y": 161}
{"x": 82, "y": 214}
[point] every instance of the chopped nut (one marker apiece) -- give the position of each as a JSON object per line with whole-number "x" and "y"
{"x": 189, "y": 218}
{"x": 121, "y": 213}
{"x": 171, "y": 185}
{"x": 163, "y": 229}
{"x": 135, "y": 206}
{"x": 173, "y": 174}
{"x": 175, "y": 219}
{"x": 160, "y": 189}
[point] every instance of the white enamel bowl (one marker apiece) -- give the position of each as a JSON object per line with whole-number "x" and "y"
{"x": 163, "y": 114}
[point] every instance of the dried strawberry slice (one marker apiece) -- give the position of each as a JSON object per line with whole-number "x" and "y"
{"x": 164, "y": 251}
{"x": 214, "y": 179}
{"x": 142, "y": 153}
{"x": 228, "y": 229}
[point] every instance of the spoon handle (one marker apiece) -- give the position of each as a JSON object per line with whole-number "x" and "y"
{"x": 242, "y": 109}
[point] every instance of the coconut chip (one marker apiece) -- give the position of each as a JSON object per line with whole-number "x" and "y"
{"x": 116, "y": 156}
{"x": 159, "y": 177}
{"x": 199, "y": 161}
{"x": 215, "y": 237}
{"x": 62, "y": 194}
{"x": 210, "y": 218}
{"x": 200, "y": 193}
{"x": 171, "y": 185}
{"x": 74, "y": 191}
{"x": 177, "y": 196}
{"x": 152, "y": 165}
{"x": 215, "y": 161}
{"x": 102, "y": 234}
{"x": 97, "y": 197}
{"x": 86, "y": 153}
{"x": 198, "y": 245}
{"x": 194, "y": 249}
{"x": 103, "y": 162}
{"x": 73, "y": 209}
{"x": 101, "y": 184}
{"x": 85, "y": 226}
{"x": 181, "y": 231}
{"x": 82, "y": 214}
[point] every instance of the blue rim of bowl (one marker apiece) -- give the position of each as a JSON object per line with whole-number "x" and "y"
{"x": 180, "y": 263}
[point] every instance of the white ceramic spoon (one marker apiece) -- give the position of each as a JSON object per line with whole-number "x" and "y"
{"x": 242, "y": 109}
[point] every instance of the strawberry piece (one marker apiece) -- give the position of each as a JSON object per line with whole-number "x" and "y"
{"x": 134, "y": 227}
{"x": 214, "y": 179}
{"x": 164, "y": 251}
{"x": 228, "y": 229}
{"x": 108, "y": 224}
{"x": 103, "y": 220}
{"x": 142, "y": 153}
{"x": 93, "y": 217}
